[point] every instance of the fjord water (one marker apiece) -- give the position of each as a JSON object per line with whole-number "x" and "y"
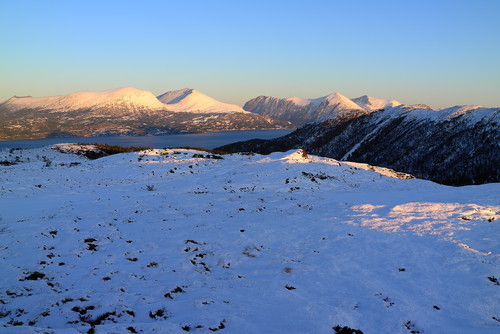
{"x": 202, "y": 140}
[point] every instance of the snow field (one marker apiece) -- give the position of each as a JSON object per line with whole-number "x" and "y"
{"x": 169, "y": 241}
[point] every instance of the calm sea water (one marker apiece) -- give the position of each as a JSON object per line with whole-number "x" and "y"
{"x": 203, "y": 140}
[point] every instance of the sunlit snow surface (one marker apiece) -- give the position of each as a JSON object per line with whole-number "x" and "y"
{"x": 126, "y": 96}
{"x": 189, "y": 100}
{"x": 168, "y": 241}
{"x": 372, "y": 103}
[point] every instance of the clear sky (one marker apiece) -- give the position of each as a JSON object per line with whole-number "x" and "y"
{"x": 437, "y": 52}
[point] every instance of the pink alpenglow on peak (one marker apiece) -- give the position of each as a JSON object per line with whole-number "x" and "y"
{"x": 126, "y": 96}
{"x": 191, "y": 100}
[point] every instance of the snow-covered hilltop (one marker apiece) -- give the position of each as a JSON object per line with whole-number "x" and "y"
{"x": 188, "y": 99}
{"x": 124, "y": 111}
{"x": 301, "y": 111}
{"x": 173, "y": 241}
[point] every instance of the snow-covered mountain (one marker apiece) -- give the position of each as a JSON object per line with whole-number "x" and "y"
{"x": 456, "y": 146}
{"x": 174, "y": 241}
{"x": 124, "y": 111}
{"x": 128, "y": 97}
{"x": 372, "y": 103}
{"x": 191, "y": 100}
{"x": 301, "y": 111}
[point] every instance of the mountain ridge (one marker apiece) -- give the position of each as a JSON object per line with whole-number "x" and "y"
{"x": 455, "y": 146}
{"x": 301, "y": 111}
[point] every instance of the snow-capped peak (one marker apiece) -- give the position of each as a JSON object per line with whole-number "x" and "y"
{"x": 334, "y": 98}
{"x": 341, "y": 100}
{"x": 126, "y": 97}
{"x": 336, "y": 107}
{"x": 191, "y": 100}
{"x": 372, "y": 103}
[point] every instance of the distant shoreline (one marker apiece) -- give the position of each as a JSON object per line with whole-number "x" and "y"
{"x": 208, "y": 140}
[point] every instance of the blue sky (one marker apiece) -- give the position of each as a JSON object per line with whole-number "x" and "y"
{"x": 441, "y": 53}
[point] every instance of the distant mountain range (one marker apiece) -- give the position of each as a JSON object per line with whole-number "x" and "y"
{"x": 456, "y": 146}
{"x": 123, "y": 111}
{"x": 301, "y": 111}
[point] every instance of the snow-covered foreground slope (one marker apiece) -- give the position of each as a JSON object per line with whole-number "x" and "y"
{"x": 167, "y": 241}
